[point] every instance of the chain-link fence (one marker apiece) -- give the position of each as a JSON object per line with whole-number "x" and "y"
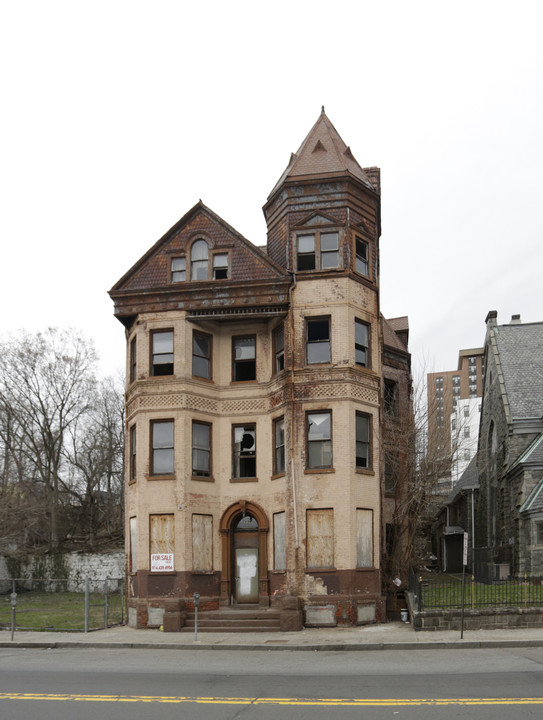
{"x": 57, "y": 604}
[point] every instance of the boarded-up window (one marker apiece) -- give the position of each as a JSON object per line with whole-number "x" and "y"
{"x": 161, "y": 542}
{"x": 133, "y": 545}
{"x": 364, "y": 538}
{"x": 280, "y": 554}
{"x": 320, "y": 538}
{"x": 202, "y": 543}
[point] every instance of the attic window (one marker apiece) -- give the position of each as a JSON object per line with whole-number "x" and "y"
{"x": 220, "y": 266}
{"x": 179, "y": 269}
{"x": 199, "y": 261}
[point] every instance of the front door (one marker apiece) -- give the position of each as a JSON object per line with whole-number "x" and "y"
{"x": 245, "y": 565}
{"x": 247, "y": 575}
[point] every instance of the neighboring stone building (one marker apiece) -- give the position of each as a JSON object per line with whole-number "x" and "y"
{"x": 510, "y": 456}
{"x": 454, "y": 398}
{"x": 254, "y": 404}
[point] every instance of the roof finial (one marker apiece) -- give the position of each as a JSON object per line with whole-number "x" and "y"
{"x": 322, "y": 111}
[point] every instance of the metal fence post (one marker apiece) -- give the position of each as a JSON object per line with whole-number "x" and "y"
{"x": 106, "y": 606}
{"x": 86, "y": 604}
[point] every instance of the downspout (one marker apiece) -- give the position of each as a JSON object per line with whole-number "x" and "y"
{"x": 292, "y": 412}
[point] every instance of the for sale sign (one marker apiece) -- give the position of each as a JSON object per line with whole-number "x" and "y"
{"x": 162, "y": 562}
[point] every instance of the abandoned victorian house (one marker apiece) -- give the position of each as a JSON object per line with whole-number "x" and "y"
{"x": 260, "y": 382}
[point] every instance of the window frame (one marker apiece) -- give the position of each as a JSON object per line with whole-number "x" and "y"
{"x": 153, "y": 354}
{"x": 279, "y": 447}
{"x": 311, "y": 343}
{"x": 371, "y": 513}
{"x": 171, "y": 538}
{"x": 390, "y": 400}
{"x": 209, "y": 358}
{"x": 133, "y": 453}
{"x": 153, "y": 449}
{"x": 367, "y": 348}
{"x": 209, "y": 474}
{"x": 278, "y": 351}
{"x": 313, "y": 513}
{"x": 133, "y": 360}
{"x": 318, "y": 252}
{"x": 366, "y": 261}
{"x": 309, "y": 467}
{"x": 236, "y": 467}
{"x": 237, "y": 364}
{"x": 368, "y": 443}
{"x": 174, "y": 272}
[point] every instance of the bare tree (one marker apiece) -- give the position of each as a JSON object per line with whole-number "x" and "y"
{"x": 95, "y": 459}
{"x": 46, "y": 384}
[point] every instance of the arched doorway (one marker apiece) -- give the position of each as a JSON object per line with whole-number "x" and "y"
{"x": 244, "y": 576}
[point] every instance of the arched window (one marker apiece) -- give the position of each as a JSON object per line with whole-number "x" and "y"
{"x": 199, "y": 265}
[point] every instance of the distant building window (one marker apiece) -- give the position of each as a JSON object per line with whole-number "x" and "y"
{"x": 199, "y": 259}
{"x": 363, "y": 425}
{"x": 318, "y": 341}
{"x": 466, "y": 412}
{"x": 362, "y": 257}
{"x": 244, "y": 358}
{"x": 456, "y": 380}
{"x": 162, "y": 352}
{"x": 319, "y": 440}
{"x": 539, "y": 532}
{"x": 179, "y": 269}
{"x": 391, "y": 397}
{"x": 279, "y": 446}
{"x": 361, "y": 343}
{"x": 244, "y": 451}
{"x": 467, "y": 455}
{"x": 201, "y": 449}
{"x": 466, "y": 432}
{"x": 279, "y": 349}
{"x": 162, "y": 457}
{"x": 201, "y": 355}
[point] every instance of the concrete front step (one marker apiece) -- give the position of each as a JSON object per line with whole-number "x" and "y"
{"x": 228, "y": 620}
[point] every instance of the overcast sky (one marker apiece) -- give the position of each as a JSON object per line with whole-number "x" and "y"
{"x": 118, "y": 116}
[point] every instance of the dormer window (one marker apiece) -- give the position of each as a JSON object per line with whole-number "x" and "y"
{"x": 318, "y": 251}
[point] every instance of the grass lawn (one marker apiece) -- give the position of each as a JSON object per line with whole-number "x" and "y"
{"x": 58, "y": 611}
{"x": 445, "y": 591}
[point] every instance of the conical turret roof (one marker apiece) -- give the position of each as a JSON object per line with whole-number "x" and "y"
{"x": 323, "y": 152}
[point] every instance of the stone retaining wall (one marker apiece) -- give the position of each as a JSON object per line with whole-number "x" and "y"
{"x": 498, "y": 618}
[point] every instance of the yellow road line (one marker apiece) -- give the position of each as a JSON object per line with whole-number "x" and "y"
{"x": 357, "y": 702}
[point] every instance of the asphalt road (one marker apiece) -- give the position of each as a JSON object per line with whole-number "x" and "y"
{"x": 218, "y": 684}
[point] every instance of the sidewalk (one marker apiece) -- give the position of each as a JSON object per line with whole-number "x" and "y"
{"x": 391, "y": 636}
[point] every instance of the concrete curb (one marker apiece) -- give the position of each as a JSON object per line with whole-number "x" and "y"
{"x": 322, "y": 647}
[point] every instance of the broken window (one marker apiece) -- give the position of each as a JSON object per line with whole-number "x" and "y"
{"x": 320, "y": 538}
{"x": 244, "y": 451}
{"x": 244, "y": 358}
{"x": 319, "y": 440}
{"x": 220, "y": 266}
{"x": 391, "y": 397}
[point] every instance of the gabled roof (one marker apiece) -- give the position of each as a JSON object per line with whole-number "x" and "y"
{"x": 323, "y": 152}
{"x": 468, "y": 481}
{"x": 150, "y": 271}
{"x": 520, "y": 352}
{"x": 533, "y": 454}
{"x": 393, "y": 331}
